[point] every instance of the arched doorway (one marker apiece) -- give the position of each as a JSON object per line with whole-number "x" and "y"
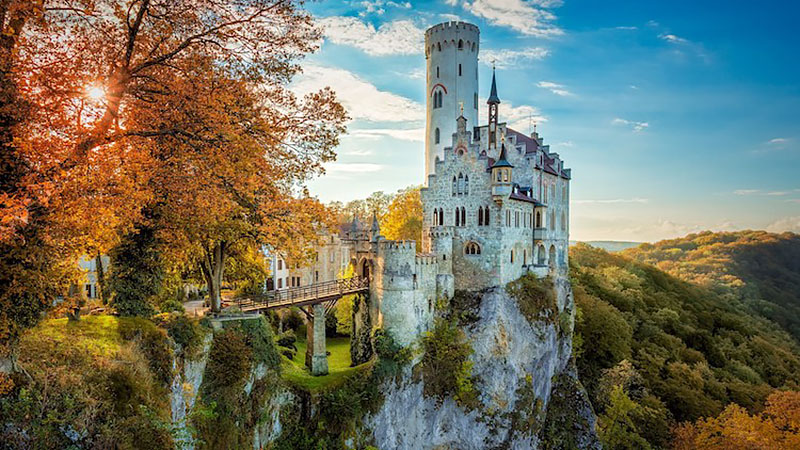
{"x": 365, "y": 268}
{"x": 541, "y": 255}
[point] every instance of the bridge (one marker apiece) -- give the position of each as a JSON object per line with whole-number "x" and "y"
{"x": 326, "y": 291}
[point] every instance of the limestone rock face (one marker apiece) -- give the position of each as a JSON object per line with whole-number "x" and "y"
{"x": 518, "y": 366}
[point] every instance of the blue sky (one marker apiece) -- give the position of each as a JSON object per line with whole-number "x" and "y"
{"x": 674, "y": 116}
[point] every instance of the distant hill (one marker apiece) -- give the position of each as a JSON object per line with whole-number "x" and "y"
{"x": 609, "y": 246}
{"x": 758, "y": 268}
{"x": 654, "y": 350}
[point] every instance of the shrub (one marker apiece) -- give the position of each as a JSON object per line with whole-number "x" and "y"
{"x": 446, "y": 369}
{"x": 153, "y": 342}
{"x": 293, "y": 320}
{"x": 184, "y": 331}
{"x": 287, "y": 340}
{"x": 536, "y": 298}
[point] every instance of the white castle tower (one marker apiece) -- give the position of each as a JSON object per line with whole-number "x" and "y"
{"x": 451, "y": 51}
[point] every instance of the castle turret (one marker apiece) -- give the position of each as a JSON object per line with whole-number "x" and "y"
{"x": 501, "y": 175}
{"x": 451, "y": 51}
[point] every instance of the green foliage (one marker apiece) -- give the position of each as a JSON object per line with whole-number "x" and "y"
{"x": 565, "y": 424}
{"x": 688, "y": 350}
{"x": 89, "y": 388}
{"x": 293, "y": 320}
{"x": 227, "y": 413}
{"x": 535, "y": 297}
{"x": 137, "y": 273}
{"x": 185, "y": 331}
{"x": 154, "y": 344}
{"x": 758, "y": 268}
{"x": 464, "y": 307}
{"x": 446, "y": 369}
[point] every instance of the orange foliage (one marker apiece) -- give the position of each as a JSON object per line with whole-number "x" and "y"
{"x": 777, "y": 427}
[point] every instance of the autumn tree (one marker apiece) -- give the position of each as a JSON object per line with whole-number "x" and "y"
{"x": 777, "y": 427}
{"x": 90, "y": 89}
{"x": 403, "y": 220}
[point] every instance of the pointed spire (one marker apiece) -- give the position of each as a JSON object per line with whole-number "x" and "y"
{"x": 493, "y": 98}
{"x": 355, "y": 225}
{"x": 375, "y": 226}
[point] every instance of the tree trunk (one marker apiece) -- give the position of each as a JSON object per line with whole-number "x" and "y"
{"x": 212, "y": 267}
{"x": 101, "y": 277}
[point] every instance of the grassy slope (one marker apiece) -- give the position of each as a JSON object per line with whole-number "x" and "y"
{"x": 295, "y": 372}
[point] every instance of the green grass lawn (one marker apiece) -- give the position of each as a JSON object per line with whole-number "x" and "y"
{"x": 99, "y": 335}
{"x": 295, "y": 372}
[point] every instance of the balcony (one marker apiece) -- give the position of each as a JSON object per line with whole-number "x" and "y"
{"x": 540, "y": 234}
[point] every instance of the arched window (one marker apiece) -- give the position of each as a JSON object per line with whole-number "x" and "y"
{"x": 463, "y": 216}
{"x": 457, "y": 217}
{"x": 441, "y": 216}
{"x": 486, "y": 216}
{"x": 455, "y": 186}
{"x": 480, "y": 216}
{"x": 436, "y": 136}
{"x": 466, "y": 184}
{"x": 435, "y": 218}
{"x": 538, "y": 219}
{"x": 439, "y": 46}
{"x": 460, "y": 46}
{"x": 472, "y": 249}
{"x": 460, "y": 184}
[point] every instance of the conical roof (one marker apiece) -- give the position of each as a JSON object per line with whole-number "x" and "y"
{"x": 502, "y": 161}
{"x": 493, "y": 98}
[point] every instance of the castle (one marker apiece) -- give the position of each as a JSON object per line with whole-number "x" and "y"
{"x": 496, "y": 204}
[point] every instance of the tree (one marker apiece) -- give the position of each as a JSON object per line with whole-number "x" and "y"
{"x": 137, "y": 273}
{"x": 403, "y": 221}
{"x": 734, "y": 429}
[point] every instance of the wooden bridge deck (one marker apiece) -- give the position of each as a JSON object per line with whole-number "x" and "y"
{"x": 304, "y": 295}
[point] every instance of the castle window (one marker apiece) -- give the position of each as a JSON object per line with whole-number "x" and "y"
{"x": 466, "y": 184}
{"x": 463, "y": 216}
{"x": 437, "y": 71}
{"x": 280, "y": 283}
{"x": 472, "y": 249}
{"x": 455, "y": 186}
{"x": 435, "y": 217}
{"x": 460, "y": 184}
{"x": 508, "y": 218}
{"x": 512, "y": 256}
{"x": 439, "y": 46}
{"x": 457, "y": 217}
{"x": 441, "y": 216}
{"x": 516, "y": 219}
{"x": 280, "y": 264}
{"x": 486, "y": 216}
{"x": 459, "y": 70}
{"x": 436, "y": 136}
{"x": 538, "y": 219}
{"x": 460, "y": 46}
{"x": 473, "y": 46}
{"x": 480, "y": 216}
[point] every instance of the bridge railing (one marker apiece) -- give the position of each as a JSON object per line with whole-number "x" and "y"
{"x": 301, "y": 294}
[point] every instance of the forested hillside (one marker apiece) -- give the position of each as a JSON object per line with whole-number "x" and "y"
{"x": 762, "y": 269}
{"x": 654, "y": 350}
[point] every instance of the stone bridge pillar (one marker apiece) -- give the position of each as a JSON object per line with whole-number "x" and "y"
{"x": 361, "y": 332}
{"x": 316, "y": 351}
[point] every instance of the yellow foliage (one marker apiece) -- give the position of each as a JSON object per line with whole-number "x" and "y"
{"x": 404, "y": 219}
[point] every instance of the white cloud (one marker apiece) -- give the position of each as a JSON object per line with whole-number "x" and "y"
{"x": 378, "y": 6}
{"x": 400, "y": 37}
{"x": 671, "y": 38}
{"x": 529, "y": 17}
{"x": 778, "y": 141}
{"x": 637, "y": 126}
{"x": 785, "y": 224}
{"x": 519, "y": 117}
{"x": 362, "y": 99}
{"x": 768, "y": 193}
{"x": 451, "y": 17}
{"x": 746, "y": 191}
{"x": 555, "y": 88}
{"x": 414, "y": 135}
{"x": 626, "y": 28}
{"x": 613, "y": 200}
{"x": 336, "y": 167}
{"x": 508, "y": 58}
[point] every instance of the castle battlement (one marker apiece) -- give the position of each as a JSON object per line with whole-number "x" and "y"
{"x": 387, "y": 245}
{"x": 425, "y": 259}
